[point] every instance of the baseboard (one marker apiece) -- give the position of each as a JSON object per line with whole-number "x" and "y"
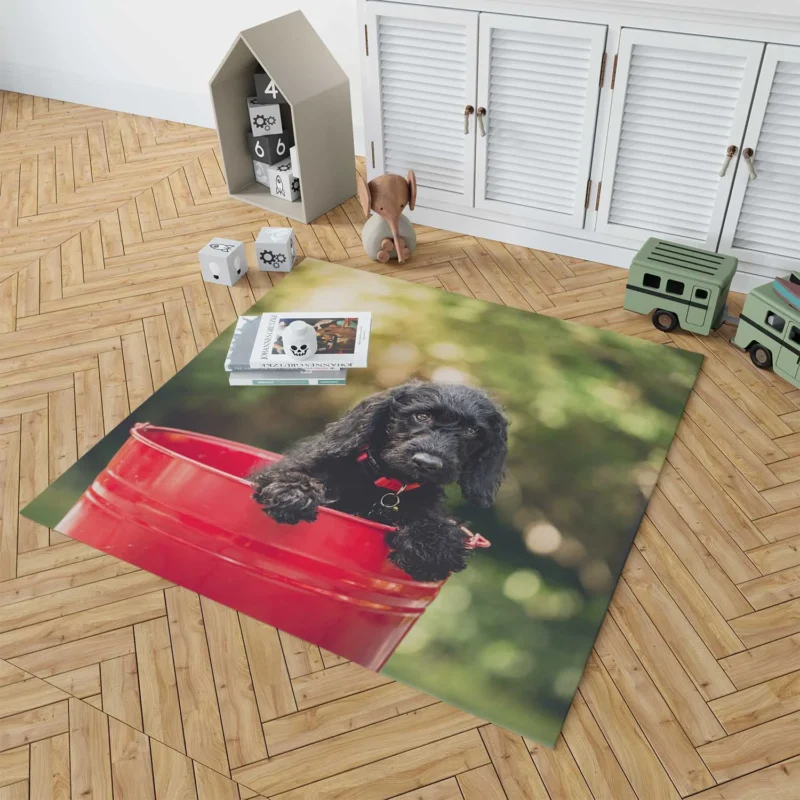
{"x": 613, "y": 255}
{"x": 190, "y": 108}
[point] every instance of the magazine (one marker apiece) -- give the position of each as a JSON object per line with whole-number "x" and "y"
{"x": 288, "y": 377}
{"x": 241, "y": 347}
{"x": 335, "y": 339}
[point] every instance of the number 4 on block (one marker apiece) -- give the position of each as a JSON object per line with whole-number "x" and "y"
{"x": 267, "y": 90}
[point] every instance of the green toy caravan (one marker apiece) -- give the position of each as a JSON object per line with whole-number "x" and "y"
{"x": 769, "y": 327}
{"x": 680, "y": 286}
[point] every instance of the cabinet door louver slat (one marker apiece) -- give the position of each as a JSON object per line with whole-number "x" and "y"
{"x": 679, "y": 103}
{"x": 425, "y": 73}
{"x": 539, "y": 82}
{"x": 763, "y": 224}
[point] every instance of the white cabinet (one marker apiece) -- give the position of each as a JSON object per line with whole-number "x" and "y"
{"x": 679, "y": 103}
{"x": 763, "y": 222}
{"x": 538, "y": 88}
{"x": 588, "y": 134}
{"x": 424, "y": 77}
{"x": 530, "y": 100}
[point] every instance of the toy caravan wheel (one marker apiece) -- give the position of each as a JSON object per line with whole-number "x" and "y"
{"x": 665, "y": 320}
{"x": 761, "y": 357}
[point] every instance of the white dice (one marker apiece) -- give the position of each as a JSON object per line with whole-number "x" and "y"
{"x": 260, "y": 171}
{"x": 223, "y": 261}
{"x": 275, "y": 249}
{"x": 282, "y": 183}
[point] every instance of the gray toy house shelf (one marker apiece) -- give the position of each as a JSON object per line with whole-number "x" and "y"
{"x": 318, "y": 91}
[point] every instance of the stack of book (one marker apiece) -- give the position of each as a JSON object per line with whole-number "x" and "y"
{"x": 257, "y": 355}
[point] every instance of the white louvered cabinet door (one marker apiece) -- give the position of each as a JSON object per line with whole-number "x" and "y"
{"x": 763, "y": 221}
{"x": 539, "y": 85}
{"x": 679, "y": 103}
{"x": 421, "y": 77}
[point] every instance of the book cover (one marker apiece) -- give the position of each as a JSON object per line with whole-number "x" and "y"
{"x": 241, "y": 346}
{"x": 284, "y": 377}
{"x": 341, "y": 339}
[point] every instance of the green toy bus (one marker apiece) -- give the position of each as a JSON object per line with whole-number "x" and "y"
{"x": 769, "y": 329}
{"x": 686, "y": 287}
{"x": 680, "y": 285}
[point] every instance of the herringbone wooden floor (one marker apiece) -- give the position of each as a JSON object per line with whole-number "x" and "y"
{"x": 114, "y": 683}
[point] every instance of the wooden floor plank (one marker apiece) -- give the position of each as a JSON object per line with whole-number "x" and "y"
{"x": 202, "y": 726}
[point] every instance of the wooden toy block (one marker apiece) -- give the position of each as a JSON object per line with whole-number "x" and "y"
{"x": 268, "y": 118}
{"x": 267, "y": 90}
{"x": 272, "y": 148}
{"x": 281, "y": 181}
{"x": 260, "y": 171}
{"x": 223, "y": 261}
{"x": 276, "y": 250}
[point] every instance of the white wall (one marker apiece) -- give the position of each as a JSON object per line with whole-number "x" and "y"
{"x": 150, "y": 57}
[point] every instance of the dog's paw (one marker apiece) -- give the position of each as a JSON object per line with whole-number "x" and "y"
{"x": 424, "y": 553}
{"x": 289, "y": 499}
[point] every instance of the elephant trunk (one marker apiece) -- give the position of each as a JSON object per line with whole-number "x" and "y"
{"x": 393, "y": 227}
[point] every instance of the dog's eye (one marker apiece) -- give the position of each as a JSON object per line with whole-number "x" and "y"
{"x": 422, "y": 416}
{"x": 471, "y": 430}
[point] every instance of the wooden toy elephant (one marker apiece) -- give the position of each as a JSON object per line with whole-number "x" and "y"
{"x": 387, "y": 233}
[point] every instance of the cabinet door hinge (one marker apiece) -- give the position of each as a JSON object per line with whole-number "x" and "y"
{"x": 366, "y": 40}
{"x": 588, "y": 192}
{"x": 372, "y": 148}
{"x": 603, "y": 69}
{"x": 614, "y": 72}
{"x": 597, "y": 201}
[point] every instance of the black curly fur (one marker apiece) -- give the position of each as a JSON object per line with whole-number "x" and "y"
{"x": 458, "y": 425}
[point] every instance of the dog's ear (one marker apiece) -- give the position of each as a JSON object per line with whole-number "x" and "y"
{"x": 359, "y": 428}
{"x": 484, "y": 473}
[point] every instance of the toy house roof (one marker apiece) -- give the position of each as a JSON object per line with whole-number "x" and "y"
{"x": 292, "y": 54}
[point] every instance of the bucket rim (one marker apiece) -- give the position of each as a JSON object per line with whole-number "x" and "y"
{"x": 139, "y": 430}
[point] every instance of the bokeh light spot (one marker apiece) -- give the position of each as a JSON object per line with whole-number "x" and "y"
{"x": 542, "y": 538}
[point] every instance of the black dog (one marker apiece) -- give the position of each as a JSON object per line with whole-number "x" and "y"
{"x": 389, "y": 459}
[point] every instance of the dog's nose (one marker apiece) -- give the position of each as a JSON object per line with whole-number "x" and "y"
{"x": 427, "y": 462}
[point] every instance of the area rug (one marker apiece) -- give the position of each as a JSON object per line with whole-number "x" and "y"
{"x": 570, "y": 426}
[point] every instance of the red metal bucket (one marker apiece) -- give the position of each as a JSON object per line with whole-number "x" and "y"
{"x": 179, "y": 504}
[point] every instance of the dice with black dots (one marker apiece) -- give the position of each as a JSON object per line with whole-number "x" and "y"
{"x": 223, "y": 261}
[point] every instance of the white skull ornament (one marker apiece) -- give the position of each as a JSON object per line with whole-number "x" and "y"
{"x": 299, "y": 339}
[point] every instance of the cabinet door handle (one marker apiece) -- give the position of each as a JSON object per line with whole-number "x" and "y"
{"x": 480, "y": 114}
{"x": 468, "y": 111}
{"x": 748, "y": 154}
{"x": 732, "y": 151}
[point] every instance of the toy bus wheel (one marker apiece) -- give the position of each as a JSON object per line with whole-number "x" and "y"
{"x": 761, "y": 357}
{"x": 665, "y": 320}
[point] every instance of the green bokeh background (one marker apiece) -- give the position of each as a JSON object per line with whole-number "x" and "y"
{"x": 592, "y": 415}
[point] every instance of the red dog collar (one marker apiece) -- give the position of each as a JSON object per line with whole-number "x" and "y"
{"x": 390, "y": 484}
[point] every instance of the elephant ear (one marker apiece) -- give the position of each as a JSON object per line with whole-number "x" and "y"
{"x": 412, "y": 189}
{"x": 362, "y": 191}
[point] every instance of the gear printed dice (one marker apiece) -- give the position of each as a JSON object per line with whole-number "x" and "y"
{"x": 275, "y": 249}
{"x": 268, "y": 118}
{"x": 260, "y": 171}
{"x": 267, "y": 90}
{"x": 223, "y": 261}
{"x": 282, "y": 183}
{"x": 272, "y": 148}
